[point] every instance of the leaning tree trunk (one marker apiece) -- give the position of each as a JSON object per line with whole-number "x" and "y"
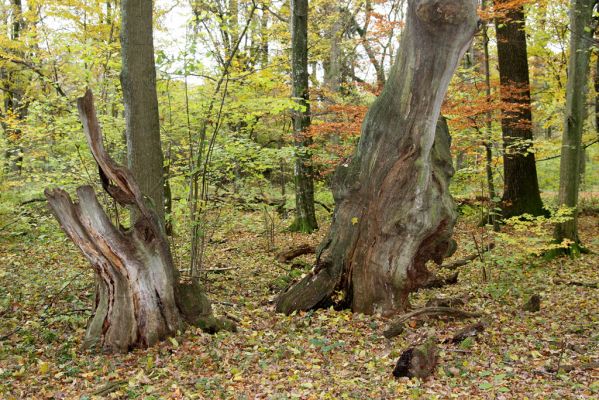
{"x": 581, "y": 16}
{"x": 393, "y": 208}
{"x": 138, "y": 298}
{"x": 521, "y": 187}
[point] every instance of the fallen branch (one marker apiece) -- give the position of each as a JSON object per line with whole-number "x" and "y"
{"x": 446, "y": 302}
{"x": 108, "y": 388}
{"x": 435, "y": 282}
{"x": 219, "y": 270}
{"x": 466, "y": 260}
{"x": 572, "y": 367}
{"x": 34, "y": 200}
{"x": 397, "y": 325}
{"x": 471, "y": 330}
{"x": 592, "y": 285}
{"x": 289, "y": 255}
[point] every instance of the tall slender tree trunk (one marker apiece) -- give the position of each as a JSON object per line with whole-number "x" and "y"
{"x": 305, "y": 218}
{"x": 14, "y": 105}
{"x": 521, "y": 188}
{"x": 488, "y": 141}
{"x": 332, "y": 73}
{"x": 264, "y": 39}
{"x": 393, "y": 209}
{"x": 581, "y": 39}
{"x": 138, "y": 79}
{"x": 596, "y": 86}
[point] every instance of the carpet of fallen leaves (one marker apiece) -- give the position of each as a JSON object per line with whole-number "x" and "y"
{"x": 46, "y": 291}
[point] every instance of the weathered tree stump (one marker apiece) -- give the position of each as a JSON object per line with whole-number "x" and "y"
{"x": 393, "y": 207}
{"x": 138, "y": 298}
{"x": 418, "y": 361}
{"x": 533, "y": 304}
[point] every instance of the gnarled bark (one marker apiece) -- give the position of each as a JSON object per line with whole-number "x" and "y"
{"x": 138, "y": 298}
{"x": 393, "y": 208}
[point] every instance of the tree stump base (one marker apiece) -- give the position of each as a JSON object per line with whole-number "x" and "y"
{"x": 418, "y": 361}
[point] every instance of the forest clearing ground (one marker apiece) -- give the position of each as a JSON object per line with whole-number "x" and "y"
{"x": 46, "y": 291}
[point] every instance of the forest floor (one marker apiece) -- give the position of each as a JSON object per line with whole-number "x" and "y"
{"x": 46, "y": 290}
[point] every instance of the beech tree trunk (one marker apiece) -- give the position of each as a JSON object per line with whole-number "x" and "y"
{"x": 393, "y": 208}
{"x": 305, "y": 218}
{"x": 138, "y": 79}
{"x": 581, "y": 39}
{"x": 521, "y": 188}
{"x": 138, "y": 298}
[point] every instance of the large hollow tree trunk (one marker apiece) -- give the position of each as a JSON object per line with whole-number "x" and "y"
{"x": 521, "y": 188}
{"x": 581, "y": 39}
{"x": 138, "y": 298}
{"x": 393, "y": 208}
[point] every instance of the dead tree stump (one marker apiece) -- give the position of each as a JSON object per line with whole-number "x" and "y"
{"x": 418, "y": 361}
{"x": 137, "y": 302}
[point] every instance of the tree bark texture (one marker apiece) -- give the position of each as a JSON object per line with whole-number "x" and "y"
{"x": 138, "y": 79}
{"x": 305, "y": 220}
{"x": 521, "y": 188}
{"x": 138, "y": 299}
{"x": 393, "y": 208}
{"x": 581, "y": 39}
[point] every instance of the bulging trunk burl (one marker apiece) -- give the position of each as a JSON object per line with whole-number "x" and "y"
{"x": 138, "y": 298}
{"x": 393, "y": 208}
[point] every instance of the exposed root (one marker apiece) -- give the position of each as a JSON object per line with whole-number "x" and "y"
{"x": 308, "y": 293}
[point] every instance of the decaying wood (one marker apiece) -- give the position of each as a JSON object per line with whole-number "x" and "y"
{"x": 533, "y": 304}
{"x": 466, "y": 260}
{"x": 393, "y": 209}
{"x": 288, "y": 255}
{"x": 138, "y": 298}
{"x": 396, "y": 326}
{"x": 418, "y": 361}
{"x": 471, "y": 330}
